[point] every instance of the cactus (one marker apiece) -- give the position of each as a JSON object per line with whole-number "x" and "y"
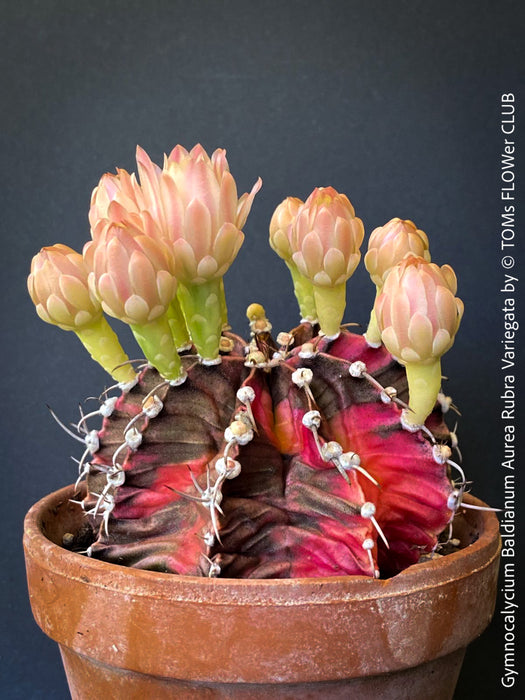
{"x": 302, "y": 500}
{"x": 294, "y": 456}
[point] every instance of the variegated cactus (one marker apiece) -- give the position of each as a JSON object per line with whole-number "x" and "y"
{"x": 312, "y": 453}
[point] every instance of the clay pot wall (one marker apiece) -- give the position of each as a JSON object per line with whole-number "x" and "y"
{"x": 127, "y": 633}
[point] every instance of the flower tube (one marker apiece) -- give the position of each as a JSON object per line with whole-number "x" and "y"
{"x": 119, "y": 199}
{"x": 58, "y": 286}
{"x": 418, "y": 315}
{"x": 132, "y": 275}
{"x": 203, "y": 220}
{"x": 325, "y": 240}
{"x": 281, "y": 227}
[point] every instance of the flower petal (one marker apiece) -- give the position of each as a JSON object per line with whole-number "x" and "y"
{"x": 313, "y": 252}
{"x": 185, "y": 262}
{"x": 207, "y": 267}
{"x": 421, "y": 335}
{"x": 149, "y": 175}
{"x": 227, "y": 200}
{"x": 137, "y": 310}
{"x": 245, "y": 204}
{"x": 198, "y": 228}
{"x": 227, "y": 244}
{"x": 334, "y": 264}
{"x": 166, "y": 287}
{"x": 75, "y": 292}
{"x": 391, "y": 341}
{"x": 109, "y": 295}
{"x": 59, "y": 311}
{"x": 142, "y": 277}
{"x": 442, "y": 342}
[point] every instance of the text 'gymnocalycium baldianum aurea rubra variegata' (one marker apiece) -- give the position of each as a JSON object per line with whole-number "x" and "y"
{"x": 313, "y": 452}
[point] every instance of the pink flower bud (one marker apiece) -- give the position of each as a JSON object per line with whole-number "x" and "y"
{"x": 326, "y": 237}
{"x": 389, "y": 244}
{"x": 132, "y": 274}
{"x": 118, "y": 199}
{"x": 191, "y": 202}
{"x": 281, "y": 227}
{"x": 417, "y": 312}
{"x": 58, "y": 286}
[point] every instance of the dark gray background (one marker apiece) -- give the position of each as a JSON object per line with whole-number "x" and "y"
{"x": 394, "y": 103}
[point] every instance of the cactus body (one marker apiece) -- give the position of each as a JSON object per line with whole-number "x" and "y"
{"x": 292, "y": 511}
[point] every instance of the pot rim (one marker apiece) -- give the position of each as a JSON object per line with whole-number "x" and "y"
{"x": 294, "y": 591}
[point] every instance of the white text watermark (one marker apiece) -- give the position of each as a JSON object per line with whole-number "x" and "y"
{"x": 509, "y": 358}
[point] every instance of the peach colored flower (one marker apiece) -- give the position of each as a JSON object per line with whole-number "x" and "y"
{"x": 281, "y": 227}
{"x": 58, "y": 286}
{"x": 417, "y": 312}
{"x": 131, "y": 273}
{"x": 326, "y": 237}
{"x": 191, "y": 201}
{"x": 117, "y": 199}
{"x": 390, "y": 243}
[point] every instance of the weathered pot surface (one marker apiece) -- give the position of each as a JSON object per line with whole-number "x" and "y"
{"x": 130, "y": 633}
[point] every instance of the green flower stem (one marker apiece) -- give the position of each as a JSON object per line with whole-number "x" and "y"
{"x": 180, "y": 334}
{"x": 224, "y": 308}
{"x": 202, "y": 308}
{"x": 102, "y": 343}
{"x": 156, "y": 342}
{"x": 373, "y": 334}
{"x": 330, "y": 303}
{"x": 424, "y": 383}
{"x": 304, "y": 293}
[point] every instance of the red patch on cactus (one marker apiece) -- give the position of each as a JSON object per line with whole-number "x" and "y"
{"x": 315, "y": 528}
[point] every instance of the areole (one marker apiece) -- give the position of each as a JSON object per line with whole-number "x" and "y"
{"x": 125, "y": 632}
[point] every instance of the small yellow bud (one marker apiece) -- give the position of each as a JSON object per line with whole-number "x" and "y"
{"x": 255, "y": 312}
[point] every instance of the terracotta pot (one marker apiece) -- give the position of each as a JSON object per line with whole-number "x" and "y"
{"x": 125, "y": 633}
